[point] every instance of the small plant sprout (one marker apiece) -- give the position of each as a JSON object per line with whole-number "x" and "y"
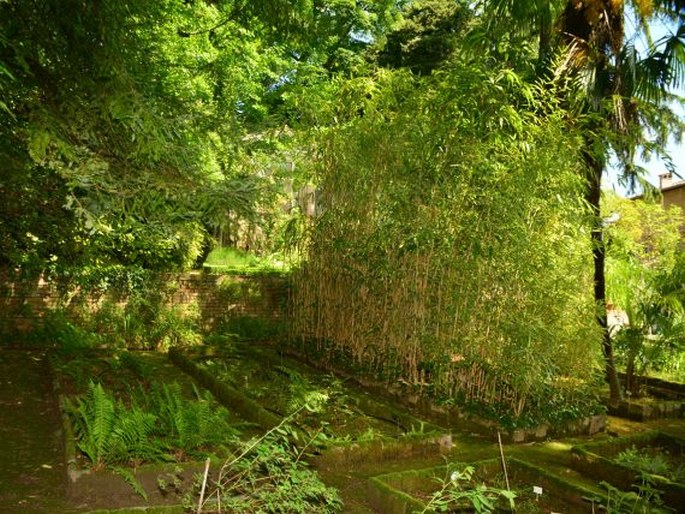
{"x": 458, "y": 476}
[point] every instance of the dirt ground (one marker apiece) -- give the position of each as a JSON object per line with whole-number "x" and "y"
{"x": 32, "y": 469}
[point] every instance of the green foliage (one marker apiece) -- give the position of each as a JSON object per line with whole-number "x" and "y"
{"x": 450, "y": 254}
{"x": 141, "y": 130}
{"x": 426, "y": 36}
{"x": 557, "y": 403}
{"x": 109, "y": 433}
{"x": 175, "y": 326}
{"x": 28, "y": 235}
{"x": 234, "y": 260}
{"x": 649, "y": 463}
{"x": 645, "y": 268}
{"x": 645, "y": 499}
{"x": 134, "y": 309}
{"x": 458, "y": 492}
{"x": 158, "y": 425}
{"x": 267, "y": 475}
{"x": 188, "y": 425}
{"x": 272, "y": 478}
{"x": 250, "y": 328}
{"x": 654, "y": 461}
{"x": 231, "y": 258}
{"x": 129, "y": 326}
{"x": 56, "y": 330}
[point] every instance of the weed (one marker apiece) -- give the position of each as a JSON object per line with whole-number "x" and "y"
{"x": 645, "y": 499}
{"x": 171, "y": 483}
{"x": 457, "y": 491}
{"x": 647, "y": 461}
{"x": 267, "y": 475}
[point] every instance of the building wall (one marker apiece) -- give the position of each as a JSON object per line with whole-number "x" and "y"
{"x": 674, "y": 196}
{"x": 672, "y": 193}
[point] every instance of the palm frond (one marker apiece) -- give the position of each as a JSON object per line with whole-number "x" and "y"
{"x": 663, "y": 67}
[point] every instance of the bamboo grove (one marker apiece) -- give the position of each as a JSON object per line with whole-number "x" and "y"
{"x": 449, "y": 253}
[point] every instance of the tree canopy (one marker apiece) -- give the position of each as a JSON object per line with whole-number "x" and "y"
{"x": 141, "y": 112}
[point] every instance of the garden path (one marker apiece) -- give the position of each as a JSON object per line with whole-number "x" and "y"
{"x": 32, "y": 471}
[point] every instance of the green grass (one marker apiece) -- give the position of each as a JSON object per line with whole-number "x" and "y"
{"x": 234, "y": 260}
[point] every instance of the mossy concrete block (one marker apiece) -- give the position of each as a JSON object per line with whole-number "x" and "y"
{"x": 597, "y": 424}
{"x": 350, "y": 455}
{"x": 519, "y": 436}
{"x": 104, "y": 488}
{"x": 247, "y": 408}
{"x": 541, "y": 432}
{"x": 388, "y": 500}
{"x": 157, "y": 509}
{"x": 585, "y": 426}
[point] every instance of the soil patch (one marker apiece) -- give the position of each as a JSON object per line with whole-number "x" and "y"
{"x": 31, "y": 450}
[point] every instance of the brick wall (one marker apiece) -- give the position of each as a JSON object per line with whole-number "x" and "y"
{"x": 217, "y": 297}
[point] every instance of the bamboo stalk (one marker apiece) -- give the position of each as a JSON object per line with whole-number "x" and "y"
{"x": 201, "y": 501}
{"x": 504, "y": 464}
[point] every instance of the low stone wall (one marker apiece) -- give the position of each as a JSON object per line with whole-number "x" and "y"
{"x": 658, "y": 387}
{"x": 217, "y": 297}
{"x": 220, "y": 297}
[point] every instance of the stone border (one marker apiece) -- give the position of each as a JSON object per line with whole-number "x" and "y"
{"x": 155, "y": 509}
{"x": 593, "y": 460}
{"x": 644, "y": 412}
{"x": 451, "y": 417}
{"x": 674, "y": 390}
{"x": 388, "y": 497}
{"x": 435, "y": 441}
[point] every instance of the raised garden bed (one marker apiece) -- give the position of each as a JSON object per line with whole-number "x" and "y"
{"x": 453, "y": 418}
{"x": 625, "y": 462}
{"x": 410, "y": 491}
{"x": 279, "y": 385}
{"x": 136, "y": 428}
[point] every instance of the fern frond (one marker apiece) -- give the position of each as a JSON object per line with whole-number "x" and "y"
{"x": 131, "y": 480}
{"x": 94, "y": 423}
{"x": 133, "y": 434}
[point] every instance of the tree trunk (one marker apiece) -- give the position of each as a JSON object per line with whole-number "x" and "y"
{"x": 545, "y": 40}
{"x": 630, "y": 381}
{"x": 595, "y": 169}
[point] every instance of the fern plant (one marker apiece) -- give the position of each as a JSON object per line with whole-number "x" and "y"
{"x": 94, "y": 418}
{"x": 187, "y": 424}
{"x": 108, "y": 433}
